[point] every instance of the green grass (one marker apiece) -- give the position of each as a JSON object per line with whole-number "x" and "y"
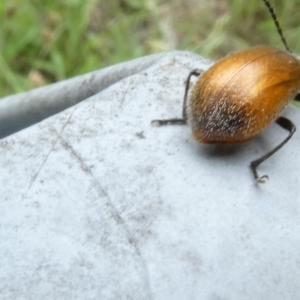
{"x": 44, "y": 41}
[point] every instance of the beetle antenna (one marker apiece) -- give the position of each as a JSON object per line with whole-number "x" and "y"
{"x": 272, "y": 12}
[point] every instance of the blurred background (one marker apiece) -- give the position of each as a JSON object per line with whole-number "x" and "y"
{"x": 44, "y": 41}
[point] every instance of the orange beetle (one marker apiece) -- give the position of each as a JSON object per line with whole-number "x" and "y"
{"x": 239, "y": 96}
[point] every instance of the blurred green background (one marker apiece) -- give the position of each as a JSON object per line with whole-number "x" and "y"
{"x": 44, "y": 41}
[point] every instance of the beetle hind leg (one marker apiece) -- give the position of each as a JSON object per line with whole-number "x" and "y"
{"x": 177, "y": 121}
{"x": 297, "y": 97}
{"x": 286, "y": 124}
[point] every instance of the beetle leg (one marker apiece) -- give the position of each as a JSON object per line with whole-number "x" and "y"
{"x": 195, "y": 72}
{"x": 297, "y": 97}
{"x": 177, "y": 121}
{"x": 286, "y": 124}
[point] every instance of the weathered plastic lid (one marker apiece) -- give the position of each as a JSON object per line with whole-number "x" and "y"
{"x": 98, "y": 204}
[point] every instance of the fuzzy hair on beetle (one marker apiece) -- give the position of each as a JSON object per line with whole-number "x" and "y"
{"x": 240, "y": 95}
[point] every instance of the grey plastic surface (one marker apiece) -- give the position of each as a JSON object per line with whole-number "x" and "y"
{"x": 98, "y": 204}
{"x": 22, "y": 110}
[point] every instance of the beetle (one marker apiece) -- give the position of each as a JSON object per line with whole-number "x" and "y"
{"x": 240, "y": 95}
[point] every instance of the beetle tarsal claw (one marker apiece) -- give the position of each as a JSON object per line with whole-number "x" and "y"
{"x": 262, "y": 179}
{"x": 156, "y": 123}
